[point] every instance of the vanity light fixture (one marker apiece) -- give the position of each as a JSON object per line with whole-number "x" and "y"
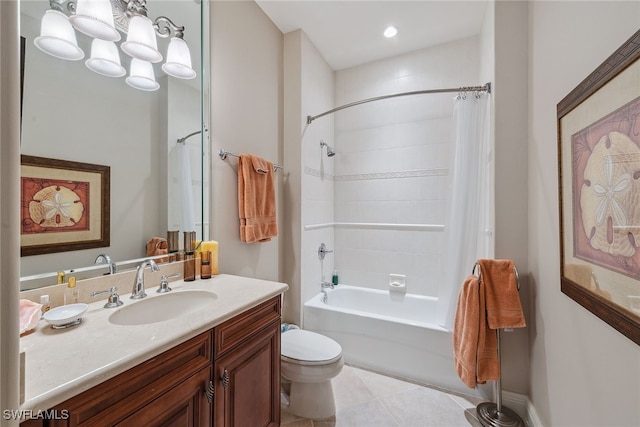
{"x": 102, "y": 20}
{"x": 95, "y": 19}
{"x": 105, "y": 59}
{"x": 57, "y": 37}
{"x": 141, "y": 75}
{"x": 390, "y": 31}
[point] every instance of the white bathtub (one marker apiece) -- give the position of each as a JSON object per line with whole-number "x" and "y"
{"x": 387, "y": 332}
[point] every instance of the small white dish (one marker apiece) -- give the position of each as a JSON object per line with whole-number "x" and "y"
{"x": 66, "y": 315}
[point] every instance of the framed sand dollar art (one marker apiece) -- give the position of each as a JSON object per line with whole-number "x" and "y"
{"x": 599, "y": 183}
{"x": 64, "y": 205}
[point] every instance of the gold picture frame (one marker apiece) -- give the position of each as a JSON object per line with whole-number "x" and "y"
{"x": 64, "y": 205}
{"x": 599, "y": 190}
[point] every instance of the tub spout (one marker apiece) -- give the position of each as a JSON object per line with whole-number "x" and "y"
{"x": 325, "y": 285}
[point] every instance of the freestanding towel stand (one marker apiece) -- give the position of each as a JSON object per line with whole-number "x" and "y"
{"x": 496, "y": 414}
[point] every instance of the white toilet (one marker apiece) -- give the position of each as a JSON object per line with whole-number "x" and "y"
{"x": 309, "y": 361}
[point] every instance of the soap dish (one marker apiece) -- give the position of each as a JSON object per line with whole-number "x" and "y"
{"x": 65, "y": 316}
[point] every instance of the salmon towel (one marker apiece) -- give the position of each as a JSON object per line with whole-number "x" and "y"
{"x": 504, "y": 309}
{"x": 256, "y": 199}
{"x": 475, "y": 348}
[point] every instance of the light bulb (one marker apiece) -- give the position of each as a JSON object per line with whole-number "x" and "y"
{"x": 390, "y": 31}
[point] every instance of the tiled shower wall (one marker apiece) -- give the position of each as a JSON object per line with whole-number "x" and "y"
{"x": 317, "y": 169}
{"x": 391, "y": 171}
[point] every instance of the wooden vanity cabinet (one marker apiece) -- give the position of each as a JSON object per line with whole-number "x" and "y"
{"x": 228, "y": 376}
{"x": 167, "y": 390}
{"x": 247, "y": 368}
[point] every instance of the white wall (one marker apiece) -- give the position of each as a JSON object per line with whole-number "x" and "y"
{"x": 246, "y": 117}
{"x": 393, "y": 162}
{"x": 583, "y": 372}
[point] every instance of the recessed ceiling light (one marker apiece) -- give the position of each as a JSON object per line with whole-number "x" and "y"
{"x": 390, "y": 31}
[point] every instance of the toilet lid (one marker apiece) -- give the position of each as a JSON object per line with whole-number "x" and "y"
{"x": 308, "y": 346}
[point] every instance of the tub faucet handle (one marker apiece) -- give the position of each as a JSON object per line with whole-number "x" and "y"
{"x": 323, "y": 251}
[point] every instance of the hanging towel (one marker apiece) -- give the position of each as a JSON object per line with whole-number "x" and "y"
{"x": 488, "y": 363}
{"x": 256, "y": 199}
{"x": 475, "y": 348}
{"x": 501, "y": 294}
{"x": 466, "y": 329}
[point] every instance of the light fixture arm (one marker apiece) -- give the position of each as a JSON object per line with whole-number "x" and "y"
{"x": 164, "y": 26}
{"x": 135, "y": 7}
{"x": 67, "y": 7}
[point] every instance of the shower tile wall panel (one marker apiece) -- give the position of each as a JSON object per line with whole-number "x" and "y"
{"x": 392, "y": 164}
{"x": 317, "y": 187}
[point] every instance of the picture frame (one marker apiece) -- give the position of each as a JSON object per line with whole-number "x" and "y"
{"x": 64, "y": 205}
{"x": 599, "y": 190}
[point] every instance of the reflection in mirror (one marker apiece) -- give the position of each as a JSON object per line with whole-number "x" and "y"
{"x": 153, "y": 141}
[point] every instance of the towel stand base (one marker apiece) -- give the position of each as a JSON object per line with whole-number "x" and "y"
{"x": 496, "y": 414}
{"x": 489, "y": 416}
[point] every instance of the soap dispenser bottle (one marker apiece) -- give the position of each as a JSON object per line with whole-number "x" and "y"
{"x": 71, "y": 292}
{"x": 46, "y": 304}
{"x": 205, "y": 265}
{"x": 189, "y": 273}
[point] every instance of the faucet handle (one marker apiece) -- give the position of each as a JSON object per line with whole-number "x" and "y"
{"x": 114, "y": 298}
{"x": 164, "y": 284}
{"x": 323, "y": 251}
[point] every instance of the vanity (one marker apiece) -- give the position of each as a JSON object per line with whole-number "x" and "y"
{"x": 217, "y": 365}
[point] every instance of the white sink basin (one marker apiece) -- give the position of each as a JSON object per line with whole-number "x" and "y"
{"x": 162, "y": 307}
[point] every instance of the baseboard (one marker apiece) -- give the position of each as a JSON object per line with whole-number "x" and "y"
{"x": 532, "y": 416}
{"x": 523, "y": 407}
{"x": 516, "y": 402}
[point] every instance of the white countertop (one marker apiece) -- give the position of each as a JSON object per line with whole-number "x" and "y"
{"x": 65, "y": 362}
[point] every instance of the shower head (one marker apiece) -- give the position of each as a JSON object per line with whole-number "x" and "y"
{"x": 330, "y": 152}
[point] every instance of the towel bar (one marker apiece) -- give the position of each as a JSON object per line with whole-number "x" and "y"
{"x": 224, "y": 154}
{"x": 492, "y": 414}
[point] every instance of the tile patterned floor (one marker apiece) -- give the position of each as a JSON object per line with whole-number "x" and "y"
{"x": 367, "y": 399}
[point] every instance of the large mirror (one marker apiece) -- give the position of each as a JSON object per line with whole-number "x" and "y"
{"x": 154, "y": 143}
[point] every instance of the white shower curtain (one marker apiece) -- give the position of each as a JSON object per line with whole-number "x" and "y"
{"x": 185, "y": 186}
{"x": 471, "y": 222}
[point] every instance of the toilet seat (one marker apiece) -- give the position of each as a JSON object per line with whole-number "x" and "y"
{"x": 309, "y": 348}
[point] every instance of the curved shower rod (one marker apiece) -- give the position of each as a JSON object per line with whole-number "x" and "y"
{"x": 183, "y": 139}
{"x": 485, "y": 88}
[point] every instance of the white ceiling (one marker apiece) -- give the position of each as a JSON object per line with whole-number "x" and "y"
{"x": 349, "y": 33}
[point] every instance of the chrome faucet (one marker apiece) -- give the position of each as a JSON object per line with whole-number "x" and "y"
{"x": 138, "y": 285}
{"x": 324, "y": 285}
{"x": 106, "y": 259}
